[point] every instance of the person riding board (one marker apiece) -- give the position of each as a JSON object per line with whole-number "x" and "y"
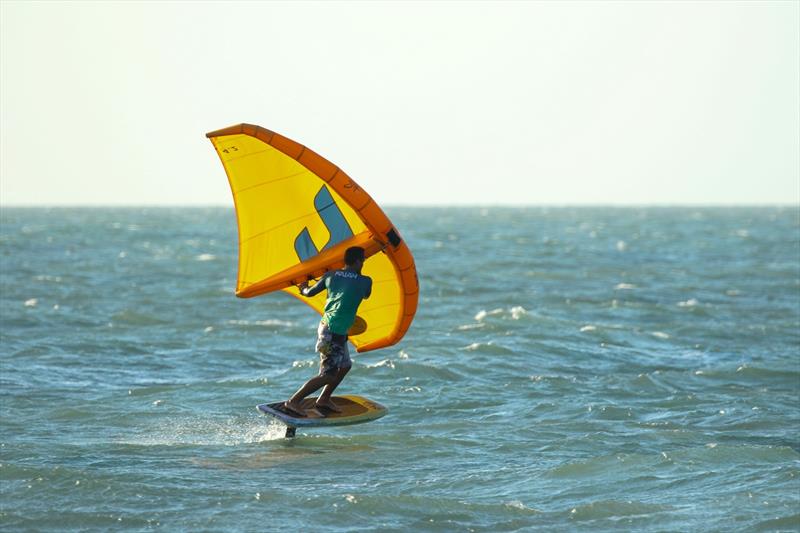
{"x": 346, "y": 289}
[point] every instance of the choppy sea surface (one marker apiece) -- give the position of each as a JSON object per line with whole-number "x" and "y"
{"x": 570, "y": 369}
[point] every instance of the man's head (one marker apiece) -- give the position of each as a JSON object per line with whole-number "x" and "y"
{"x": 354, "y": 256}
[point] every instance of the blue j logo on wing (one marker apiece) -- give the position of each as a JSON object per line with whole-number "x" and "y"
{"x": 334, "y": 221}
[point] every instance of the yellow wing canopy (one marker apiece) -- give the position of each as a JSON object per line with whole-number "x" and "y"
{"x": 297, "y": 214}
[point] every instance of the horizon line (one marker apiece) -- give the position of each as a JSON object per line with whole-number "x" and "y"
{"x": 417, "y": 206}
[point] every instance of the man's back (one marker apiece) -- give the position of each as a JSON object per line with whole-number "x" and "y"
{"x": 346, "y": 289}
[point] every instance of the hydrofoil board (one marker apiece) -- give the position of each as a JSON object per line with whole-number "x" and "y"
{"x": 355, "y": 410}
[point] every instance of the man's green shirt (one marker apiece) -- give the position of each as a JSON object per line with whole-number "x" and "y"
{"x": 346, "y": 289}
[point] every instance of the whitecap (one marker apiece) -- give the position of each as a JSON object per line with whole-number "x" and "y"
{"x": 31, "y": 229}
{"x": 268, "y": 322}
{"x": 483, "y": 313}
{"x": 588, "y": 328}
{"x": 56, "y": 279}
{"x": 517, "y": 312}
{"x": 516, "y": 504}
{"x": 688, "y": 303}
{"x": 31, "y": 303}
{"x": 660, "y": 335}
{"x": 625, "y": 286}
{"x": 386, "y": 362}
{"x": 205, "y": 257}
{"x": 622, "y": 246}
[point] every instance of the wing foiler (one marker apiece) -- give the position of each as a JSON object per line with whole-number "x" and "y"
{"x": 297, "y": 214}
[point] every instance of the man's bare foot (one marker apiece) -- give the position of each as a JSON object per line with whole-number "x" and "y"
{"x": 294, "y": 408}
{"x": 329, "y": 405}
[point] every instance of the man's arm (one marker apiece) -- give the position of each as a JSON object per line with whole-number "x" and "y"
{"x": 369, "y": 288}
{"x": 317, "y": 288}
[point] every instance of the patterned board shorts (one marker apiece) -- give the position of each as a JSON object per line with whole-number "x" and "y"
{"x": 333, "y": 351}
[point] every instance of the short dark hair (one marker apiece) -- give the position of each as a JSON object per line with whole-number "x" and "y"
{"x": 353, "y": 254}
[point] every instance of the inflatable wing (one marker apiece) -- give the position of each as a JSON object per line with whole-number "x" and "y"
{"x": 297, "y": 214}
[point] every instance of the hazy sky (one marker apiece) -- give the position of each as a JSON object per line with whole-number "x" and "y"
{"x": 421, "y": 103}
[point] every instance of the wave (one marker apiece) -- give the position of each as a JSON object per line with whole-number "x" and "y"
{"x": 615, "y": 509}
{"x": 488, "y": 348}
{"x": 710, "y": 457}
{"x": 133, "y": 318}
{"x": 514, "y": 313}
{"x": 451, "y": 512}
{"x": 273, "y": 323}
{"x": 785, "y": 523}
{"x": 754, "y": 373}
{"x": 411, "y": 369}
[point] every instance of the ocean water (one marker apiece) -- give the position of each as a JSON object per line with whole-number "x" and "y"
{"x": 586, "y": 369}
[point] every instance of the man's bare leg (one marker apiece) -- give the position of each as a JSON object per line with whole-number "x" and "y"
{"x": 312, "y": 385}
{"x": 324, "y": 399}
